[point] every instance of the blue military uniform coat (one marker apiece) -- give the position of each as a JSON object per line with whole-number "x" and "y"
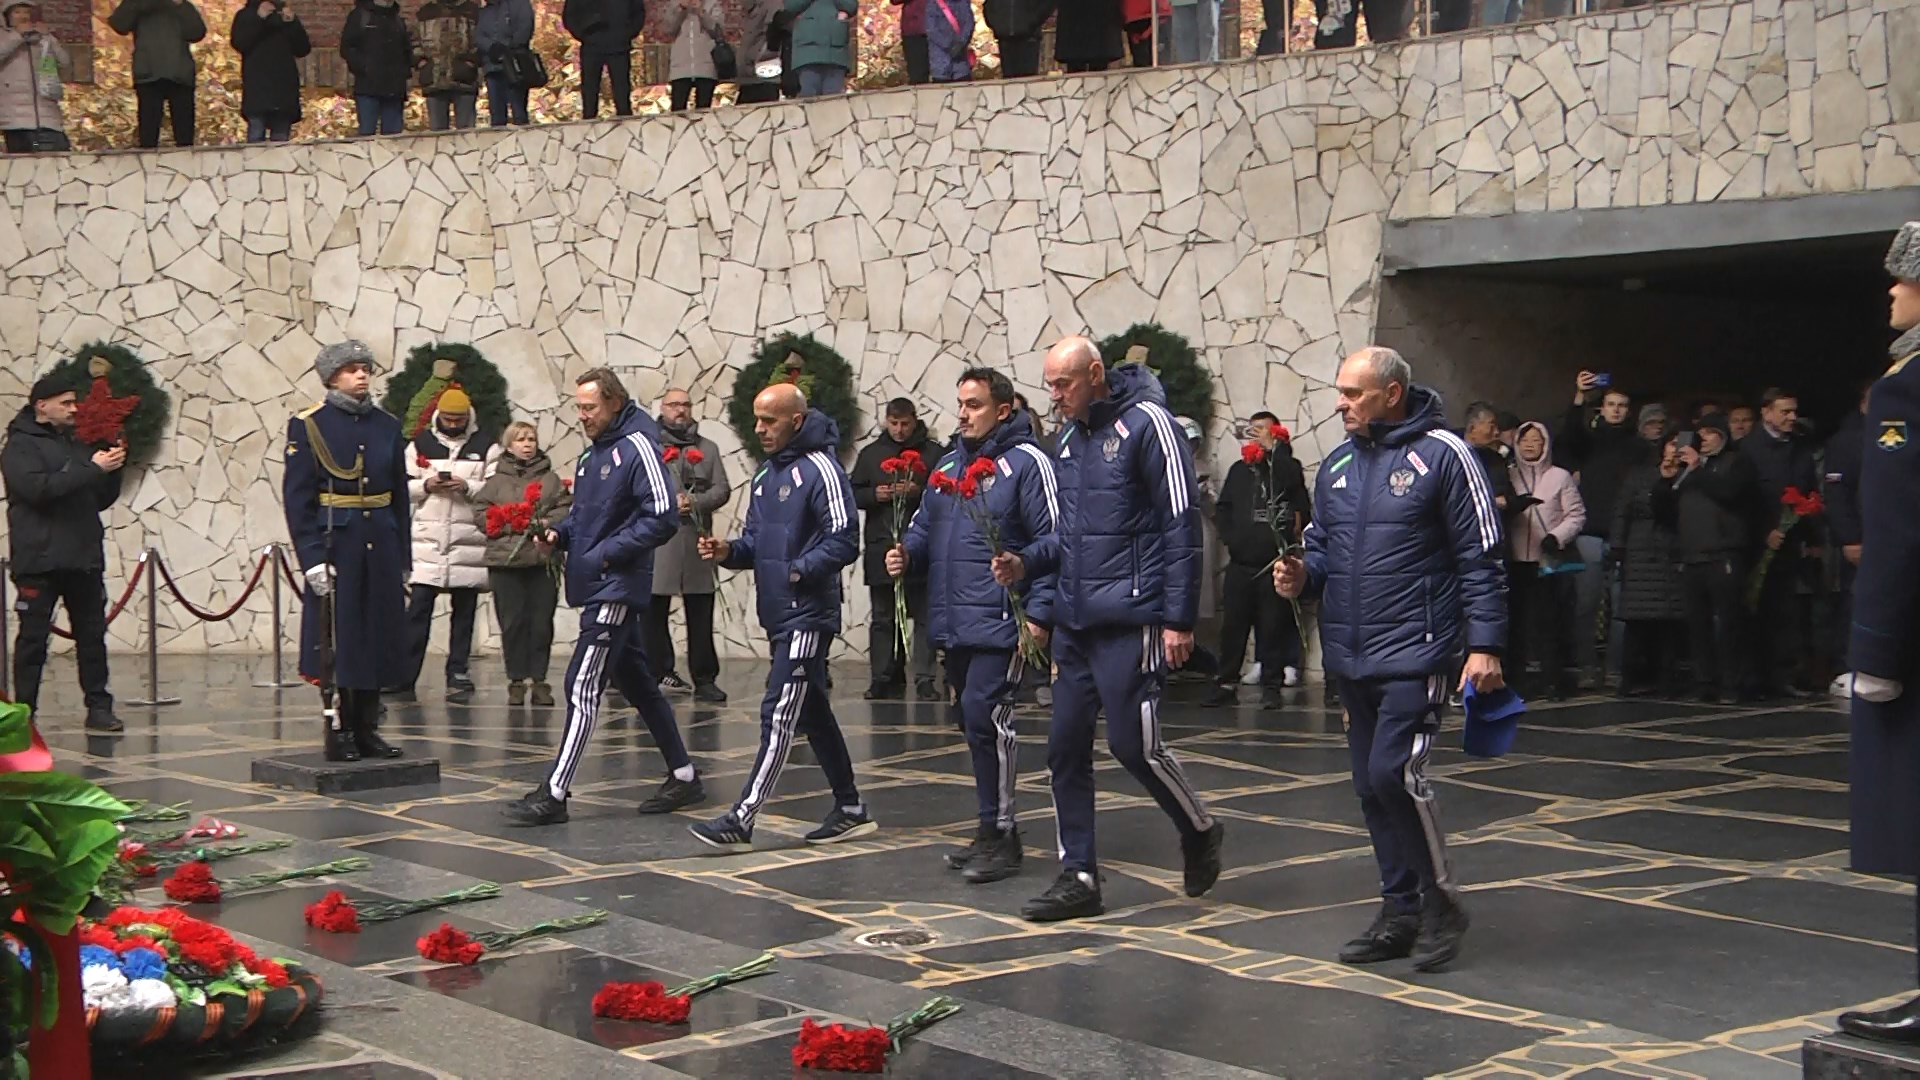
{"x": 352, "y": 483}
{"x": 1885, "y": 638}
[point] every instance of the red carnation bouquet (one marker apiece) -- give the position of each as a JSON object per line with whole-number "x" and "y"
{"x": 654, "y": 1003}
{"x": 336, "y": 914}
{"x": 908, "y": 468}
{"x": 194, "y": 883}
{"x": 526, "y": 519}
{"x": 968, "y": 489}
{"x": 451, "y": 945}
{"x": 1794, "y": 505}
{"x": 683, "y": 462}
{"x": 1278, "y": 507}
{"x": 840, "y": 1048}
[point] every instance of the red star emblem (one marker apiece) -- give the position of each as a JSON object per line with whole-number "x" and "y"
{"x": 100, "y": 416}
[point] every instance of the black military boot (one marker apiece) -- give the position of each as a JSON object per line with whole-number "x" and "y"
{"x": 1900, "y": 1024}
{"x": 340, "y": 742}
{"x": 366, "y": 724}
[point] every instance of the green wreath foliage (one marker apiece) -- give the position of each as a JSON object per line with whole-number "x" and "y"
{"x": 126, "y": 375}
{"x": 1173, "y": 361}
{"x": 492, "y": 404}
{"x": 824, "y": 376}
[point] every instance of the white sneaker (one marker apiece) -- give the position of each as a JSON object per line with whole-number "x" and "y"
{"x": 1289, "y": 676}
{"x": 1842, "y": 685}
{"x": 1252, "y": 677}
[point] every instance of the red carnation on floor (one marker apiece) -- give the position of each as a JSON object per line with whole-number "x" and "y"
{"x": 1253, "y": 453}
{"x": 671, "y": 453}
{"x": 193, "y": 884}
{"x": 334, "y": 913}
{"x": 840, "y": 1048}
{"x": 450, "y": 945}
{"x": 694, "y": 456}
{"x": 647, "y": 1001}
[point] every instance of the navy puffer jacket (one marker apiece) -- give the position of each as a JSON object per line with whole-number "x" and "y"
{"x": 625, "y": 505}
{"x": 1404, "y": 547}
{"x": 1127, "y": 550}
{"x": 966, "y": 608}
{"x": 800, "y": 532}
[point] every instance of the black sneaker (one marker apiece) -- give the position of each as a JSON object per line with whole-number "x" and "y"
{"x": 673, "y": 795}
{"x": 1074, "y": 895}
{"x": 924, "y": 690}
{"x": 724, "y": 832}
{"x": 402, "y": 694}
{"x": 1272, "y": 699}
{"x": 998, "y": 861}
{"x": 1224, "y": 696}
{"x": 1202, "y": 857}
{"x": 709, "y": 693}
{"x": 1442, "y": 924}
{"x": 843, "y": 825}
{"x": 460, "y": 683}
{"x": 540, "y": 808}
{"x": 1391, "y": 937}
{"x": 1330, "y": 697}
{"x": 982, "y": 840}
{"x": 103, "y": 720}
{"x": 883, "y": 690}
{"x": 672, "y": 683}
{"x": 1043, "y": 697}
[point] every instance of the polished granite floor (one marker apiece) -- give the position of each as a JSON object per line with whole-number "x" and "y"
{"x": 1659, "y": 889}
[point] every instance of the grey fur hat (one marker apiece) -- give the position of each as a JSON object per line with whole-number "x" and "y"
{"x": 1903, "y": 258}
{"x": 339, "y": 355}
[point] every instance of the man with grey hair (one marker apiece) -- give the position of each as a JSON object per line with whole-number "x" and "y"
{"x": 345, "y": 487}
{"x": 1404, "y": 552}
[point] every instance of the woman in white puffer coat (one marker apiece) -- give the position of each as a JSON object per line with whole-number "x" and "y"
{"x": 447, "y": 464}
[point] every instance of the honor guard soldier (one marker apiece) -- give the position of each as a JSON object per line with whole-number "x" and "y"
{"x": 1884, "y": 650}
{"x": 346, "y": 495}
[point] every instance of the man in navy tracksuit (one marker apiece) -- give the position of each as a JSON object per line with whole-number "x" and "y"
{"x": 1405, "y": 547}
{"x": 1127, "y": 558}
{"x": 801, "y": 531}
{"x": 971, "y": 615}
{"x": 624, "y": 506}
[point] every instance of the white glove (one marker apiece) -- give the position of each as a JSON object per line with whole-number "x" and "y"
{"x": 1874, "y": 688}
{"x": 320, "y": 580}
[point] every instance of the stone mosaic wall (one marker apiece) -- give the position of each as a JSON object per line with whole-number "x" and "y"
{"x": 917, "y": 230}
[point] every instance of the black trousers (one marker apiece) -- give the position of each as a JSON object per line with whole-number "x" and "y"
{"x": 1019, "y": 56}
{"x": 757, "y": 93}
{"x": 883, "y": 636}
{"x": 176, "y": 98}
{"x": 619, "y": 68}
{"x": 1250, "y": 606}
{"x": 1075, "y": 67}
{"x": 1653, "y": 646}
{"x": 1386, "y": 21}
{"x": 524, "y": 598}
{"x": 1540, "y": 614}
{"x": 84, "y": 594}
{"x": 699, "y": 91}
{"x": 1713, "y": 621}
{"x": 1778, "y": 648}
{"x": 919, "y": 64}
{"x": 1840, "y": 627}
{"x": 703, "y": 663}
{"x": 420, "y": 604}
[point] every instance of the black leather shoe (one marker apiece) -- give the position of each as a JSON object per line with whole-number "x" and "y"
{"x": 1272, "y": 699}
{"x": 1391, "y": 937}
{"x": 882, "y": 691}
{"x": 1074, "y": 895}
{"x": 371, "y": 745}
{"x": 1201, "y": 855}
{"x": 341, "y": 745}
{"x": 1900, "y": 1024}
{"x": 982, "y": 840}
{"x": 709, "y": 694}
{"x": 925, "y": 690}
{"x": 1442, "y": 924}
{"x": 99, "y": 720}
{"x": 361, "y": 710}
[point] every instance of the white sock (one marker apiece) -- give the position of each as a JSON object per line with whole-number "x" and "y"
{"x": 684, "y": 772}
{"x": 556, "y": 793}
{"x": 856, "y": 809}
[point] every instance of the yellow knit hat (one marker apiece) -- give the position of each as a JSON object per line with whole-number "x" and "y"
{"x": 454, "y": 400}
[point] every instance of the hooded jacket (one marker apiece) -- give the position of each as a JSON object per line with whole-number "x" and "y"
{"x": 162, "y": 32}
{"x": 625, "y": 506}
{"x": 498, "y": 29}
{"x": 1248, "y": 498}
{"x": 508, "y": 485}
{"x": 1405, "y": 550}
{"x": 22, "y": 106}
{"x": 449, "y": 543}
{"x": 55, "y": 495}
{"x": 677, "y": 566}
{"x": 1127, "y": 550}
{"x": 270, "y": 49}
{"x": 799, "y": 533}
{"x": 1559, "y": 513}
{"x": 966, "y": 608}
{"x": 877, "y": 530}
{"x": 378, "y": 49}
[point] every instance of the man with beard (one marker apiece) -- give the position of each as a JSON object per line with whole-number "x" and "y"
{"x": 1600, "y": 444}
{"x": 625, "y": 505}
{"x": 678, "y": 569}
{"x": 880, "y": 497}
{"x": 451, "y": 460}
{"x": 1255, "y": 490}
{"x": 345, "y": 486}
{"x": 57, "y": 488}
{"x": 1885, "y": 648}
{"x": 1011, "y": 483}
{"x": 798, "y": 536}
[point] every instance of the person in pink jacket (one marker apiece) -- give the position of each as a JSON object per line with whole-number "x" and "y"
{"x": 1540, "y": 588}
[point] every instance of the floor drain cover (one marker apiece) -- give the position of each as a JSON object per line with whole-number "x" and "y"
{"x": 896, "y": 939}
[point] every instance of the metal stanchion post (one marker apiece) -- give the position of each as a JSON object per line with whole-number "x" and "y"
{"x": 279, "y": 681}
{"x": 153, "y": 699}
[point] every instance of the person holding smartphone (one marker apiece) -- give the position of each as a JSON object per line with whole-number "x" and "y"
{"x": 1598, "y": 441}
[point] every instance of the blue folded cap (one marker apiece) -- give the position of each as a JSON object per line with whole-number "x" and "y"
{"x": 1492, "y": 721}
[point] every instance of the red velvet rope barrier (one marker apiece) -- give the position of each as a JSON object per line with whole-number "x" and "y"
{"x": 286, "y": 569}
{"x": 139, "y": 571}
{"x": 209, "y": 616}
